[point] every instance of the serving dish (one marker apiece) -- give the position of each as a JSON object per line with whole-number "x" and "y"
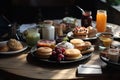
{"x": 25, "y": 46}
{"x": 33, "y": 51}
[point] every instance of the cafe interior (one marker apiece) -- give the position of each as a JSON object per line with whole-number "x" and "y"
{"x": 59, "y": 39}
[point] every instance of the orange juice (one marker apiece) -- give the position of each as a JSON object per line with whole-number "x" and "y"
{"x": 101, "y": 19}
{"x": 107, "y": 42}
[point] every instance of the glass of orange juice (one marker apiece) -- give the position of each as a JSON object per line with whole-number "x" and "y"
{"x": 101, "y": 20}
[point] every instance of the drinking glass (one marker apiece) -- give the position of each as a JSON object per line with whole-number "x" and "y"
{"x": 105, "y": 39}
{"x": 101, "y": 20}
{"x": 86, "y": 19}
{"x": 113, "y": 55}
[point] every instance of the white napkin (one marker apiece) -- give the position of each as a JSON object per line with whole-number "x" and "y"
{"x": 89, "y": 69}
{"x": 24, "y": 27}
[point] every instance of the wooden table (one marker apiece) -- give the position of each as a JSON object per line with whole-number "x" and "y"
{"x": 18, "y": 65}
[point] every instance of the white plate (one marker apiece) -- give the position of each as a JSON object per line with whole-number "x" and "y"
{"x": 13, "y": 52}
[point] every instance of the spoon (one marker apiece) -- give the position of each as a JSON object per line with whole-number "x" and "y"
{"x": 80, "y": 9}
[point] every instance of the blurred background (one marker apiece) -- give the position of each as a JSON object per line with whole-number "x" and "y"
{"x": 30, "y": 11}
{"x": 26, "y": 11}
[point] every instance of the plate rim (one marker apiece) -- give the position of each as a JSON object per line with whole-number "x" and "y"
{"x": 15, "y": 52}
{"x": 108, "y": 62}
{"x": 115, "y": 37}
{"x": 88, "y": 55}
{"x": 81, "y": 38}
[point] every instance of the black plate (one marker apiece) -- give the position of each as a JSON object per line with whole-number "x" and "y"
{"x": 82, "y": 59}
{"x": 110, "y": 63}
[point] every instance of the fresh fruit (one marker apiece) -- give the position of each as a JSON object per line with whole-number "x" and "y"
{"x": 57, "y": 54}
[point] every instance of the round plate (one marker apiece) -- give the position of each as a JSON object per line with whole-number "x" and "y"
{"x": 110, "y": 63}
{"x": 84, "y": 57}
{"x": 70, "y": 35}
{"x": 14, "y": 52}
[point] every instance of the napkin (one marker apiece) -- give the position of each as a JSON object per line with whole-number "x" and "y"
{"x": 24, "y": 27}
{"x": 85, "y": 69}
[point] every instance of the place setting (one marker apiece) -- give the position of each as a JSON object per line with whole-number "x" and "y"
{"x": 109, "y": 49}
{"x": 12, "y": 47}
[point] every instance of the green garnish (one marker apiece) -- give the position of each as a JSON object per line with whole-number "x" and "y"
{"x": 65, "y": 39}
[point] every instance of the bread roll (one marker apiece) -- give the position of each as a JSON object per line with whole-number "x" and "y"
{"x": 71, "y": 54}
{"x": 84, "y": 46}
{"x": 76, "y": 41}
{"x": 4, "y": 48}
{"x": 91, "y": 49}
{"x": 14, "y": 44}
{"x": 44, "y": 52}
{"x": 80, "y": 44}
